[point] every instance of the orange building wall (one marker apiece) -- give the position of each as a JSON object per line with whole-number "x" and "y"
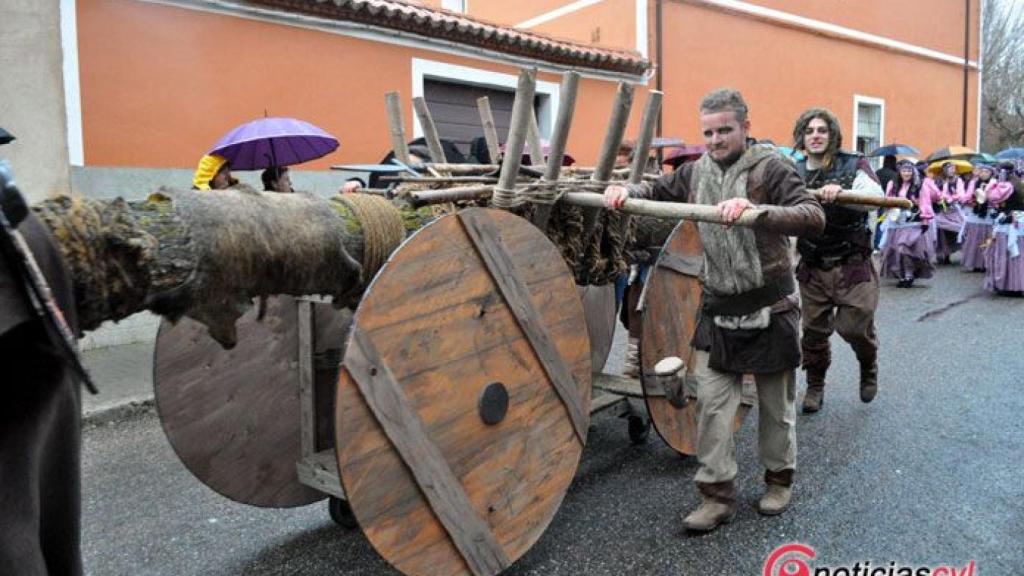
{"x": 934, "y": 24}
{"x": 512, "y": 13}
{"x": 782, "y": 71}
{"x": 160, "y": 85}
{"x": 608, "y": 24}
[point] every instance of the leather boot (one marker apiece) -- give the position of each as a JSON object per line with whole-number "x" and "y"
{"x": 814, "y": 396}
{"x": 816, "y": 362}
{"x": 718, "y": 507}
{"x": 775, "y": 500}
{"x": 868, "y": 380}
{"x": 780, "y": 490}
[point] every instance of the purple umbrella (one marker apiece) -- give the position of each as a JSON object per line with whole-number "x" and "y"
{"x": 274, "y": 142}
{"x": 684, "y": 154}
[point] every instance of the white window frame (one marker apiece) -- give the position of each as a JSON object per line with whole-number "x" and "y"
{"x": 871, "y": 101}
{"x": 423, "y": 70}
{"x": 459, "y": 6}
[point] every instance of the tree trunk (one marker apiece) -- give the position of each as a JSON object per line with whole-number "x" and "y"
{"x": 208, "y": 254}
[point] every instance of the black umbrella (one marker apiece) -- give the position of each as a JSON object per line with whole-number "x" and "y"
{"x": 894, "y": 150}
{"x": 5, "y": 137}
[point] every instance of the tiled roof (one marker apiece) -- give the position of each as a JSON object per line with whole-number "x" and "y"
{"x": 414, "y": 18}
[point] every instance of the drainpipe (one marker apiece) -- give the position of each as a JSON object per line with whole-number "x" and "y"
{"x": 660, "y": 70}
{"x": 967, "y": 48}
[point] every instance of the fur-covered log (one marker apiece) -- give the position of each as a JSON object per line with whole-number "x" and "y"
{"x": 208, "y": 254}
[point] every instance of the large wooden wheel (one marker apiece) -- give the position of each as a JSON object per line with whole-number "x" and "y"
{"x": 671, "y": 305}
{"x": 233, "y": 416}
{"x": 462, "y": 402}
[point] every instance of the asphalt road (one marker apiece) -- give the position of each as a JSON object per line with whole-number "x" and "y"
{"x": 928, "y": 474}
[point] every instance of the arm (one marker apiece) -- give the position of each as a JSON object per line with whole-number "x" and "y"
{"x": 968, "y": 196}
{"x": 792, "y": 210}
{"x": 924, "y": 201}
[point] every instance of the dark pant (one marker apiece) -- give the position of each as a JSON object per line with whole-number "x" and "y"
{"x": 40, "y": 447}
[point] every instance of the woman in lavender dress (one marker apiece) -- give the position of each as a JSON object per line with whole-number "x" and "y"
{"x": 908, "y": 248}
{"x": 979, "y": 218}
{"x": 945, "y": 187}
{"x": 1004, "y": 259}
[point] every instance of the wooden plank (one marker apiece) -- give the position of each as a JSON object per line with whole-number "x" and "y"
{"x": 484, "y": 235}
{"x": 396, "y": 129}
{"x": 429, "y": 129}
{"x": 307, "y": 391}
{"x": 483, "y": 104}
{"x": 619, "y": 385}
{"x": 320, "y": 472}
{"x": 403, "y": 427}
{"x": 604, "y": 401}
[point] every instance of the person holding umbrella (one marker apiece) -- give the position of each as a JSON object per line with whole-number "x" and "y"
{"x": 213, "y": 173}
{"x": 945, "y": 187}
{"x": 277, "y": 179}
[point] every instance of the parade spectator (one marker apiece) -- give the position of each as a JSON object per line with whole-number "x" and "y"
{"x": 213, "y": 173}
{"x": 749, "y": 322}
{"x": 277, "y": 179}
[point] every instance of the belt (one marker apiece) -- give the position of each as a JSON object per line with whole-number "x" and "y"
{"x": 750, "y": 301}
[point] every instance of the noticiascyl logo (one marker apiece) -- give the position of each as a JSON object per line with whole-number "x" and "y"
{"x": 789, "y": 560}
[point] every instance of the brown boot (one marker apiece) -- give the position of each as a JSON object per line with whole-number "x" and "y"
{"x": 780, "y": 490}
{"x": 709, "y": 516}
{"x": 718, "y": 507}
{"x": 814, "y": 397}
{"x": 775, "y": 500}
{"x": 868, "y": 381}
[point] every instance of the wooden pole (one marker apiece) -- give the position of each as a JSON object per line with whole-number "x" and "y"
{"x": 393, "y": 104}
{"x": 566, "y": 110}
{"x": 643, "y": 143}
{"x": 606, "y": 162}
{"x": 666, "y": 210}
{"x": 429, "y": 129}
{"x": 483, "y": 104}
{"x": 533, "y": 140}
{"x": 866, "y": 200}
{"x": 522, "y": 108}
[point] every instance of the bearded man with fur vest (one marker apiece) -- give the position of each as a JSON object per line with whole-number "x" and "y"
{"x": 838, "y": 278}
{"x": 750, "y": 316}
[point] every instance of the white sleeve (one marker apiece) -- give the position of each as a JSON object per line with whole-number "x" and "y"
{"x": 865, "y": 184}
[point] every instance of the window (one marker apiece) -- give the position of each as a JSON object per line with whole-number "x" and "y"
{"x": 868, "y": 123}
{"x": 454, "y": 5}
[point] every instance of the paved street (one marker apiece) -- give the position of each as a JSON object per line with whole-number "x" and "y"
{"x": 928, "y": 474}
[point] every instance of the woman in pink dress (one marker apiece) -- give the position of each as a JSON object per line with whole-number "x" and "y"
{"x": 908, "y": 248}
{"x": 979, "y": 217}
{"x": 1004, "y": 259}
{"x": 945, "y": 189}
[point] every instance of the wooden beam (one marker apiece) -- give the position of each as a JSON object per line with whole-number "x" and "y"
{"x": 566, "y": 110}
{"x": 393, "y": 104}
{"x": 483, "y": 104}
{"x": 522, "y": 108}
{"x": 469, "y": 532}
{"x": 429, "y": 129}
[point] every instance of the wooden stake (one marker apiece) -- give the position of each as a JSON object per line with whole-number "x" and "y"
{"x": 643, "y": 142}
{"x": 522, "y": 108}
{"x": 393, "y": 104}
{"x": 566, "y": 110}
{"x": 483, "y": 104}
{"x": 429, "y": 129}
{"x": 533, "y": 140}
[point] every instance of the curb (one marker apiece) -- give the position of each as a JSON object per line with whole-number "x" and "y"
{"x": 130, "y": 410}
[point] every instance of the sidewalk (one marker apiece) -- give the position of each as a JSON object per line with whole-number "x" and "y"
{"x": 124, "y": 377}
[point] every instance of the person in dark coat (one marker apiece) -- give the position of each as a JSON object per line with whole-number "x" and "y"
{"x": 40, "y": 438}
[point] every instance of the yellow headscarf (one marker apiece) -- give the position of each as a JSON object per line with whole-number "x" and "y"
{"x": 208, "y": 167}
